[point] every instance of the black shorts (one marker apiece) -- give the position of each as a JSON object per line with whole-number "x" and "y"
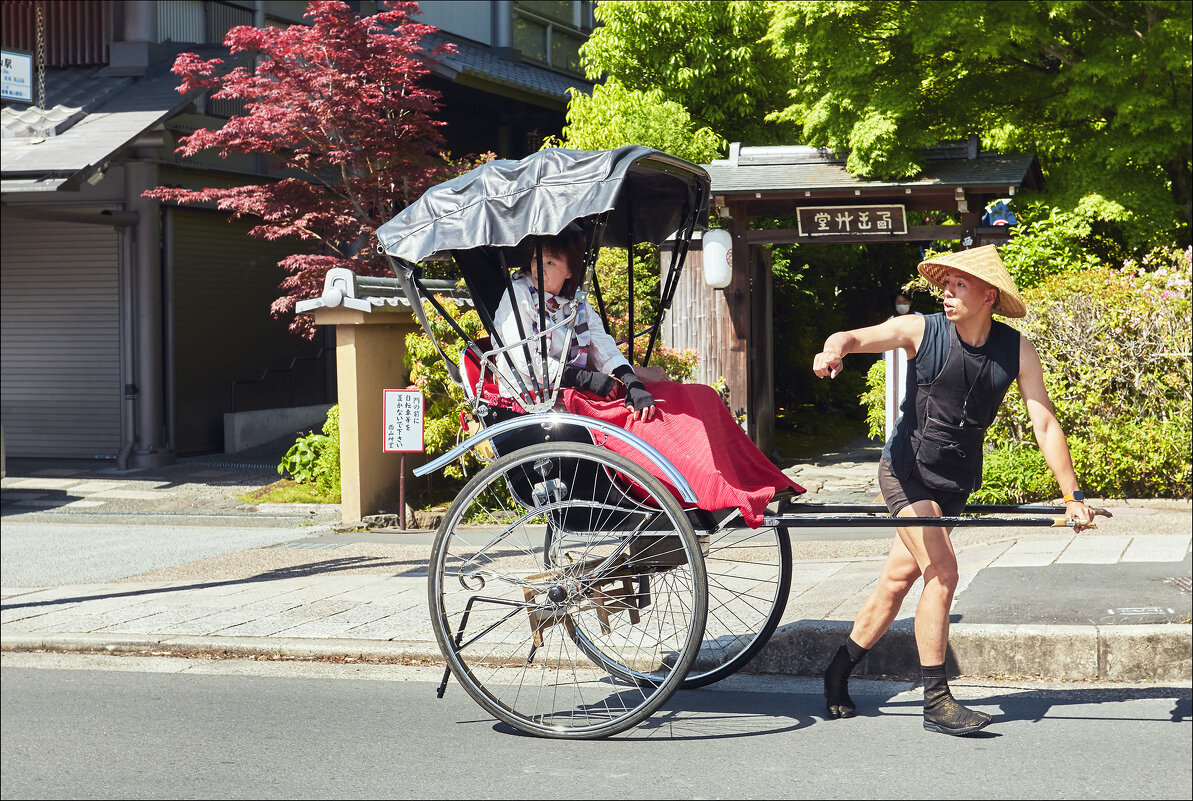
{"x": 899, "y": 493}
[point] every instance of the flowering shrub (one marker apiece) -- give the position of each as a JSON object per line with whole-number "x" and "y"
{"x": 680, "y": 364}
{"x": 612, "y": 271}
{"x": 1115, "y": 345}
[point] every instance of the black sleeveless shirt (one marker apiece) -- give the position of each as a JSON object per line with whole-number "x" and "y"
{"x": 953, "y": 394}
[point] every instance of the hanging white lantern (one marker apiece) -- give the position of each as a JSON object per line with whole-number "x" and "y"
{"x": 718, "y": 258}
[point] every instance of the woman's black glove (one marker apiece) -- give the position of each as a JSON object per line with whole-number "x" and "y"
{"x": 636, "y": 395}
{"x": 589, "y": 381}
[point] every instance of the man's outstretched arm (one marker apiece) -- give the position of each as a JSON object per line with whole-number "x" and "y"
{"x": 1049, "y": 435}
{"x": 900, "y": 332}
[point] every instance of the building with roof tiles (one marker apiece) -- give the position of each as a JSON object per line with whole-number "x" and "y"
{"x": 130, "y": 329}
{"x": 732, "y": 328}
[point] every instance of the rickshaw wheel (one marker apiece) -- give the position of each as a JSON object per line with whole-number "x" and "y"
{"x": 510, "y": 619}
{"x": 749, "y": 580}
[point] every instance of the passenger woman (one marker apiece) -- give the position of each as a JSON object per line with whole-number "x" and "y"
{"x": 688, "y": 423}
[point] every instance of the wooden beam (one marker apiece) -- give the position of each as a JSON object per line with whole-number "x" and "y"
{"x": 941, "y": 199}
{"x": 869, "y": 194}
{"x": 736, "y": 346}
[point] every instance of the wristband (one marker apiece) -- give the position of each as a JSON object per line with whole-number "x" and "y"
{"x": 1075, "y": 495}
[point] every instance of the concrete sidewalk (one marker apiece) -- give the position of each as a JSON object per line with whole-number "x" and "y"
{"x": 1111, "y": 604}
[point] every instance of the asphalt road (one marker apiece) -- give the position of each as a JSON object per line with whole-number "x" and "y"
{"x": 124, "y": 727}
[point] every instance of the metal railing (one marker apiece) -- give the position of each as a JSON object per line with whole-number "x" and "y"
{"x": 287, "y": 369}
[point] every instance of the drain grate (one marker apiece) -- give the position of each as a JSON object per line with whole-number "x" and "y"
{"x": 234, "y": 465}
{"x": 1182, "y": 583}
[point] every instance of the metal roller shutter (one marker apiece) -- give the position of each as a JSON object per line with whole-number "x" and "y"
{"x": 59, "y": 295}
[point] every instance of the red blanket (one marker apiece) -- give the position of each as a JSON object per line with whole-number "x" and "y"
{"x": 697, "y": 434}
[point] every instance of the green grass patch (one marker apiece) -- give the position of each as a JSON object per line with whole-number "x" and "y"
{"x": 287, "y": 490}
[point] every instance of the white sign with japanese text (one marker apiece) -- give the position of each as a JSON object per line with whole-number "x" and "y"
{"x": 403, "y": 421}
{"x": 17, "y": 83}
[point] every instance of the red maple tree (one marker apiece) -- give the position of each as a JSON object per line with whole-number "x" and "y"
{"x": 339, "y": 107}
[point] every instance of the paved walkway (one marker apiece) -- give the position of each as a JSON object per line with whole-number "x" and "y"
{"x": 1109, "y": 604}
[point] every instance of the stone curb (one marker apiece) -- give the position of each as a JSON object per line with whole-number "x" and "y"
{"x": 1157, "y": 652}
{"x": 293, "y": 648}
{"x": 1139, "y": 653}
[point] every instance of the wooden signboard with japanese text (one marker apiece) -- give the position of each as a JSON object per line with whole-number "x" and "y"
{"x": 851, "y": 220}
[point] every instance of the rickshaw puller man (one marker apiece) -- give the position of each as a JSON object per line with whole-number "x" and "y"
{"x": 960, "y": 365}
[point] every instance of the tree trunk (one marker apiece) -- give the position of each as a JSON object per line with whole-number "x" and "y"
{"x": 1182, "y": 189}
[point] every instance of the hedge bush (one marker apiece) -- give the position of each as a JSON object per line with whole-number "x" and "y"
{"x": 327, "y": 468}
{"x": 315, "y": 458}
{"x": 874, "y": 400}
{"x": 1115, "y": 347}
{"x": 443, "y": 398}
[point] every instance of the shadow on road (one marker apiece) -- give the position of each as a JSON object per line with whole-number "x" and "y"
{"x": 324, "y": 567}
{"x": 1036, "y": 705}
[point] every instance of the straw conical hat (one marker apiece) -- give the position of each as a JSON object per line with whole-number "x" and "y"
{"x": 982, "y": 263}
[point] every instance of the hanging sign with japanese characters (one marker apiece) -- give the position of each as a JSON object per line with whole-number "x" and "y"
{"x": 852, "y": 220}
{"x": 18, "y": 76}
{"x": 403, "y": 421}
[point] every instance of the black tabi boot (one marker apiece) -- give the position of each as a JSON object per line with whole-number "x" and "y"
{"x": 836, "y": 680}
{"x": 942, "y": 713}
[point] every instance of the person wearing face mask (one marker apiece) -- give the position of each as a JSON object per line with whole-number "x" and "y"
{"x": 961, "y": 364}
{"x": 896, "y": 370}
{"x": 687, "y": 423}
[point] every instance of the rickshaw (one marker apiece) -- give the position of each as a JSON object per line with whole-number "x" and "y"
{"x": 573, "y": 590}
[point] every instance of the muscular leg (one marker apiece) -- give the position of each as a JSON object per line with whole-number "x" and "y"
{"x": 899, "y": 573}
{"x": 932, "y": 551}
{"x": 898, "y": 576}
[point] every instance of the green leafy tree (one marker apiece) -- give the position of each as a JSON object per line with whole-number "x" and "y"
{"x": 1103, "y": 85}
{"x": 614, "y": 115}
{"x": 710, "y": 56}
{"x": 1100, "y": 91}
